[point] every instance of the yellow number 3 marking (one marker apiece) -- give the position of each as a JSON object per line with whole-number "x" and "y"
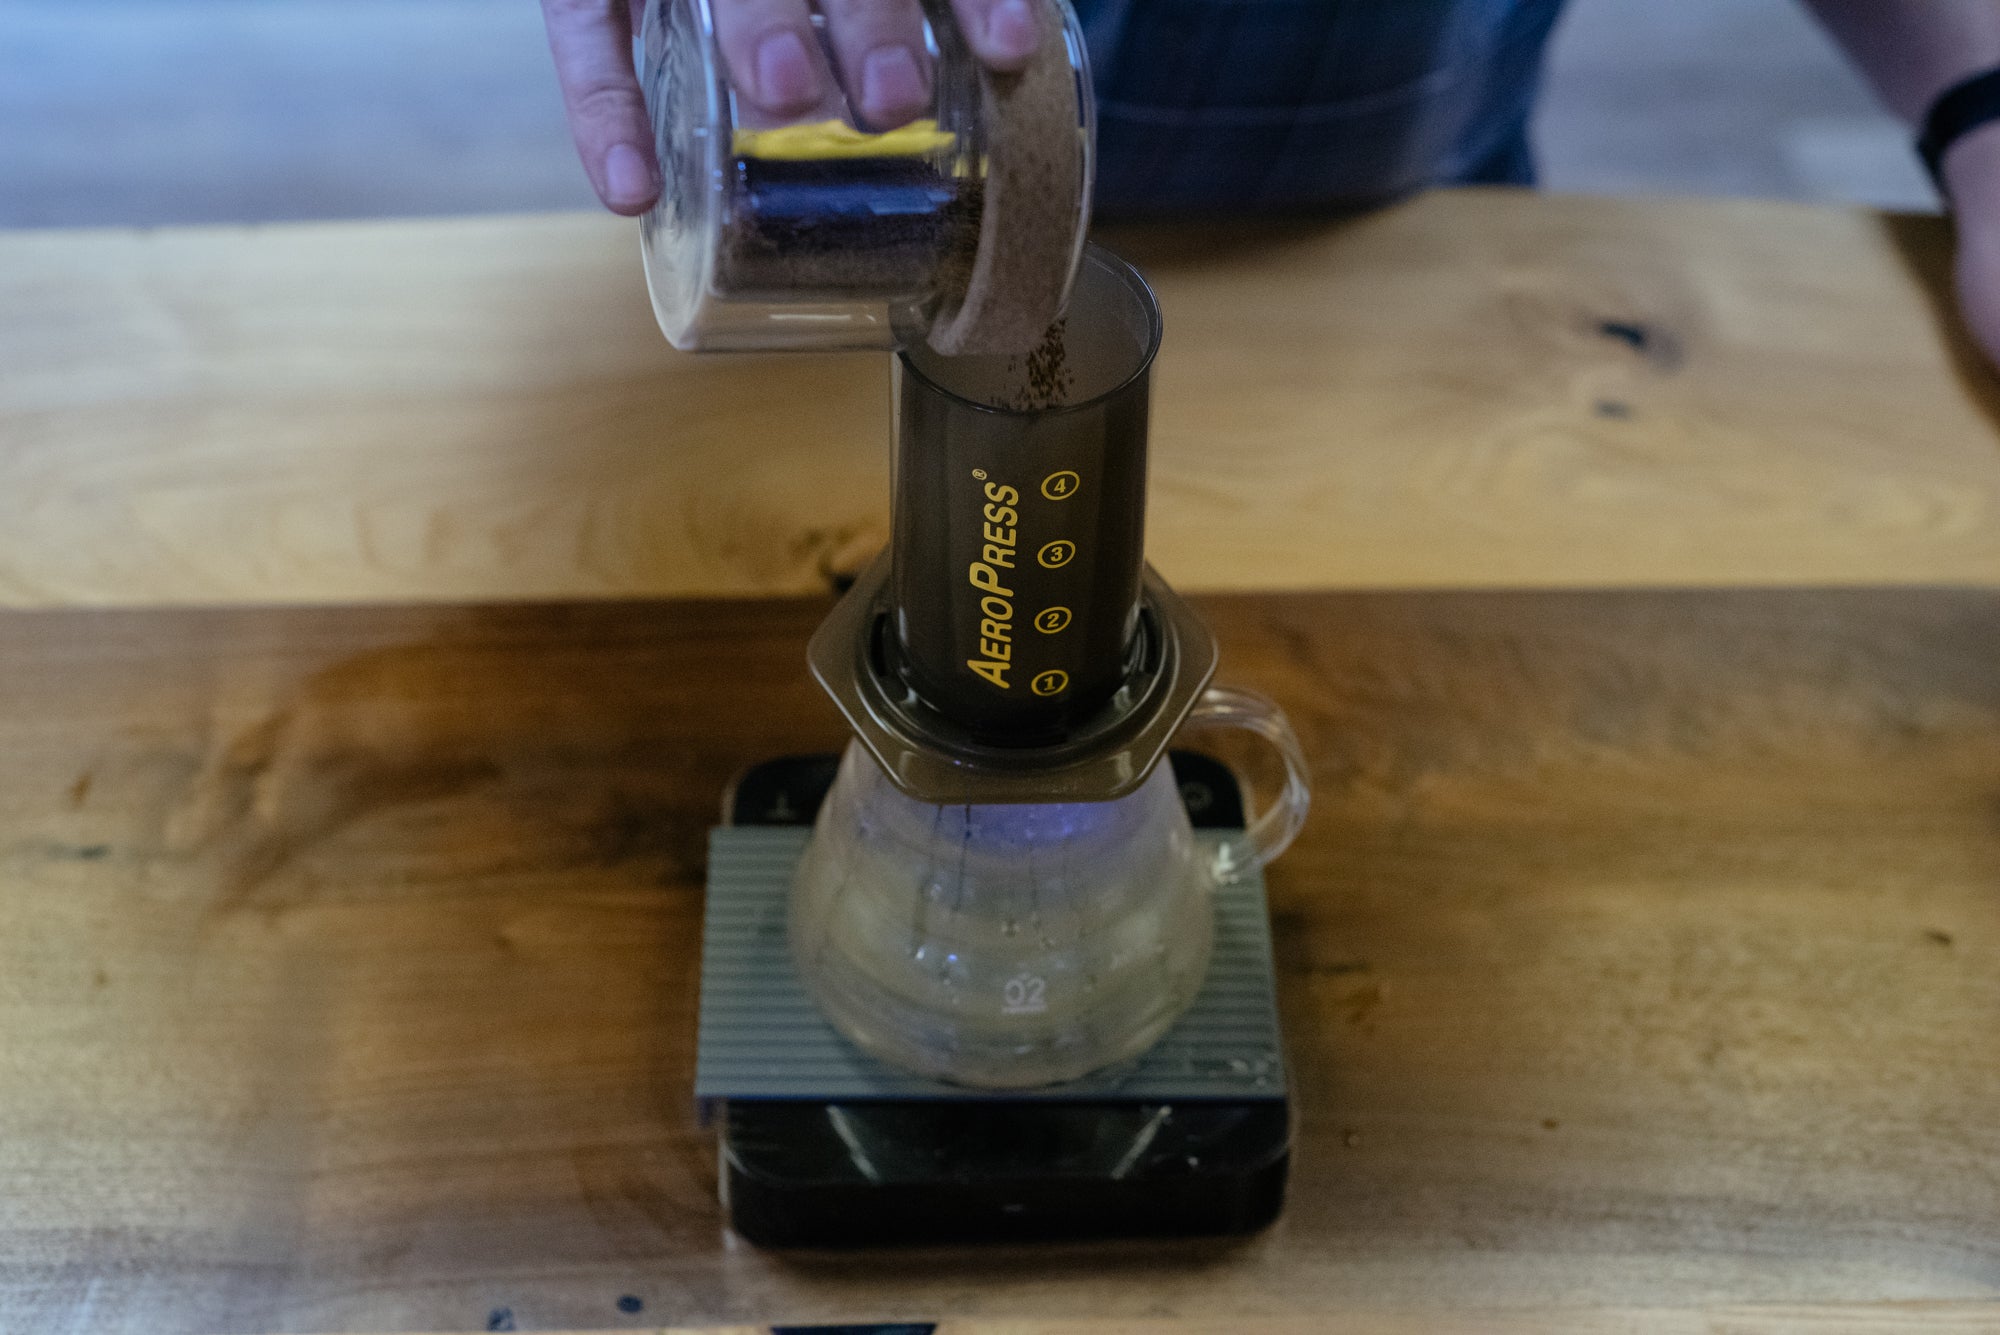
{"x": 1056, "y": 554}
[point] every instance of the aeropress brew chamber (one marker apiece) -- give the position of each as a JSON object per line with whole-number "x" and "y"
{"x": 1012, "y": 645}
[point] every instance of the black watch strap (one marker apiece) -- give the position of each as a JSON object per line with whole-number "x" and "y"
{"x": 1959, "y": 109}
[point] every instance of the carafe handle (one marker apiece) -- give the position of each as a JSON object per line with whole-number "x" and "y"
{"x": 1268, "y": 832}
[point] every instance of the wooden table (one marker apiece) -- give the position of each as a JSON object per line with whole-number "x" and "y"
{"x": 1641, "y": 961}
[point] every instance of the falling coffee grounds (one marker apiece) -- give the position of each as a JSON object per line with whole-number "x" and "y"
{"x": 1044, "y": 374}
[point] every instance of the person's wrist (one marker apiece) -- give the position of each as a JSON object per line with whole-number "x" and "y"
{"x": 1971, "y": 171}
{"x": 1971, "y": 176}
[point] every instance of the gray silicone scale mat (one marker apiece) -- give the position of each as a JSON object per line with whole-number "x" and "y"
{"x": 762, "y": 1038}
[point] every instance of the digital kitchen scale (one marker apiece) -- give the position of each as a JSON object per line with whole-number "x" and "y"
{"x": 823, "y": 1146}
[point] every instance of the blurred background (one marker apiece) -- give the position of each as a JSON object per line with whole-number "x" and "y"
{"x": 179, "y": 111}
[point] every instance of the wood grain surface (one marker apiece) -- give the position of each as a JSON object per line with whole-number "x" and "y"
{"x": 1642, "y": 955}
{"x": 1480, "y": 387}
{"x": 1967, "y": 1318}
{"x": 1774, "y": 1319}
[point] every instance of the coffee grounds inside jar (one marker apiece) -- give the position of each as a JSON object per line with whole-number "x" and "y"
{"x": 844, "y": 228}
{"x": 1033, "y": 206}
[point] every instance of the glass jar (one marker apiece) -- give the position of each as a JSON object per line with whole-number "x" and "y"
{"x": 1015, "y": 945}
{"x": 820, "y": 233}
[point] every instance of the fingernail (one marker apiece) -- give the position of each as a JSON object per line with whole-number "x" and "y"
{"x": 627, "y": 176}
{"x": 1010, "y": 30}
{"x": 785, "y": 76}
{"x": 892, "y": 82}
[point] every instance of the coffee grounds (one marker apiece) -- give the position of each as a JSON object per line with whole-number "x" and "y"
{"x": 842, "y": 227}
{"x": 1031, "y": 209}
{"x": 1044, "y": 374}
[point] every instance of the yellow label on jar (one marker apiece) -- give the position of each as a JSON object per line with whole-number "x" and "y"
{"x": 838, "y": 139}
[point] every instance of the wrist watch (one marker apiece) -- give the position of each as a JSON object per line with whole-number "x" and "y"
{"x": 1959, "y": 109}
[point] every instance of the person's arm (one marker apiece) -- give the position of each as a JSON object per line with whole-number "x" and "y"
{"x": 776, "y": 61}
{"x": 1913, "y": 50}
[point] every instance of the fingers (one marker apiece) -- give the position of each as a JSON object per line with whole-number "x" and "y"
{"x": 592, "y": 44}
{"x": 776, "y": 62}
{"x": 1004, "y": 34}
{"x": 774, "y": 58}
{"x": 883, "y": 63}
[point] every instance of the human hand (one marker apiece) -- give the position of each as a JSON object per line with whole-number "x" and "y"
{"x": 776, "y": 63}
